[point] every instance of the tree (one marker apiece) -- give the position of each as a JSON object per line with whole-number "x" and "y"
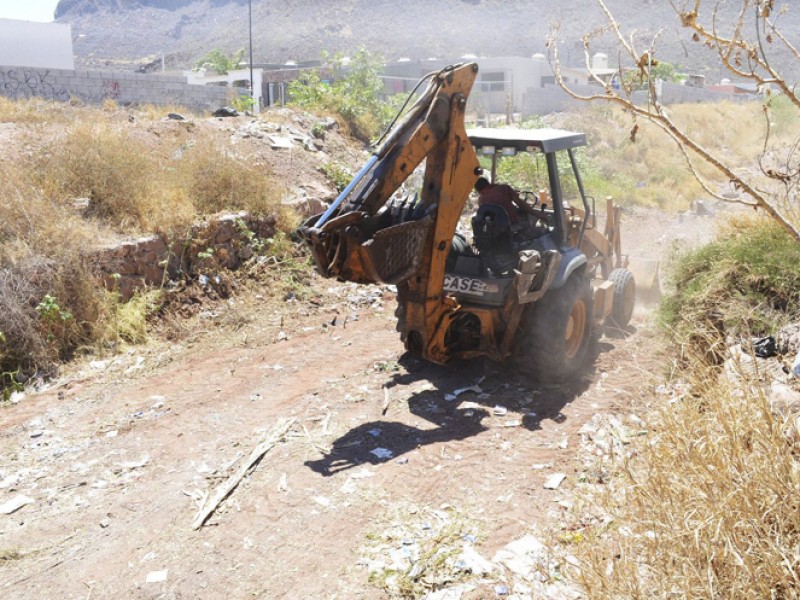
{"x": 220, "y": 62}
{"x": 746, "y": 46}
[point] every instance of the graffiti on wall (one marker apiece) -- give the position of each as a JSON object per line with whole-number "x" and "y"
{"x": 110, "y": 89}
{"x": 28, "y": 83}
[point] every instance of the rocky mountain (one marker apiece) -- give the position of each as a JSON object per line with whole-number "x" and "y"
{"x": 122, "y": 33}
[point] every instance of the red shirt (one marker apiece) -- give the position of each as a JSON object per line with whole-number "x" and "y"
{"x": 503, "y": 195}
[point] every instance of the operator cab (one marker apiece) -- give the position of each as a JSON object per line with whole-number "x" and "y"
{"x": 483, "y": 276}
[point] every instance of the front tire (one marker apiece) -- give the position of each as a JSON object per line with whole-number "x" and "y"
{"x": 624, "y": 298}
{"x": 557, "y": 332}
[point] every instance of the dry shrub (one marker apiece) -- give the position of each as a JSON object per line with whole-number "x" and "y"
{"x": 708, "y": 507}
{"x": 105, "y": 164}
{"x": 48, "y": 310}
{"x": 41, "y": 254}
{"x": 216, "y": 180}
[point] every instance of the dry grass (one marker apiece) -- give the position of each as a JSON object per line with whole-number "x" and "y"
{"x": 707, "y": 505}
{"x": 215, "y": 179}
{"x": 651, "y": 170}
{"x": 706, "y": 508}
{"x": 136, "y": 180}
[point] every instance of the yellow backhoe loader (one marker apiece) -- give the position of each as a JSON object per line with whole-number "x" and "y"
{"x": 531, "y": 293}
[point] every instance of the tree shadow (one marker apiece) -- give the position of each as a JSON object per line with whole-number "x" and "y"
{"x": 504, "y": 393}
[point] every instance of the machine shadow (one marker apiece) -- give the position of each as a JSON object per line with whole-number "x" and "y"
{"x": 505, "y": 394}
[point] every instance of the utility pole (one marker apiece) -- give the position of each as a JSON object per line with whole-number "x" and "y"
{"x": 250, "y": 25}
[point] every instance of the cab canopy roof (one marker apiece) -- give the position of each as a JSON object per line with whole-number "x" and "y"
{"x": 546, "y": 140}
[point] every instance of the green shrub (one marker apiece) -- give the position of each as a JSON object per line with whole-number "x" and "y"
{"x": 747, "y": 282}
{"x": 354, "y": 93}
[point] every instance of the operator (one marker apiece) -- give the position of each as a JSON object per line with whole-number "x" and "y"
{"x": 503, "y": 195}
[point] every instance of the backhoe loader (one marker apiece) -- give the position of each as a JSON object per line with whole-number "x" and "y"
{"x": 530, "y": 293}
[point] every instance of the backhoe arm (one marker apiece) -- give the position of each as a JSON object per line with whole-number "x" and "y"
{"x": 353, "y": 240}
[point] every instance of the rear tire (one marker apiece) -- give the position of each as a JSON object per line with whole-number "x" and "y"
{"x": 624, "y": 298}
{"x": 557, "y": 332}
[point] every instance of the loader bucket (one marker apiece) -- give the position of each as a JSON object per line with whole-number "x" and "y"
{"x": 646, "y": 274}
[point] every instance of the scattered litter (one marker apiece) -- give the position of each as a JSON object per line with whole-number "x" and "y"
{"x": 98, "y": 365}
{"x": 374, "y": 432}
{"x": 15, "y": 504}
{"x": 796, "y": 366}
{"x": 470, "y": 560}
{"x": 105, "y": 522}
{"x": 521, "y": 556}
{"x": 16, "y": 397}
{"x": 560, "y": 418}
{"x": 765, "y": 347}
{"x": 554, "y": 481}
{"x": 283, "y": 485}
{"x": 382, "y": 453}
{"x": 501, "y": 590}
{"x": 453, "y": 593}
{"x": 322, "y": 501}
{"x": 500, "y": 411}
{"x": 282, "y": 336}
{"x": 112, "y": 433}
{"x": 468, "y": 537}
{"x": 402, "y": 461}
{"x": 255, "y": 397}
{"x": 511, "y": 423}
{"x": 157, "y": 576}
{"x": 456, "y": 393}
{"x": 539, "y": 467}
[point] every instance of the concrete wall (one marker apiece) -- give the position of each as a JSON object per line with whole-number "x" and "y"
{"x": 96, "y": 86}
{"x": 551, "y": 98}
{"x": 672, "y": 93}
{"x": 42, "y": 45}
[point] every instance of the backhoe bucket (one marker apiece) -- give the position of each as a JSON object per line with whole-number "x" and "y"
{"x": 646, "y": 274}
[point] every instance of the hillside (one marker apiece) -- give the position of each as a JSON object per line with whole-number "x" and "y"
{"x": 122, "y": 33}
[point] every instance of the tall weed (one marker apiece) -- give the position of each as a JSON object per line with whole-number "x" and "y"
{"x": 707, "y": 507}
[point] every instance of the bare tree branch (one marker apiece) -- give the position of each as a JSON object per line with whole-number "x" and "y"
{"x": 730, "y": 50}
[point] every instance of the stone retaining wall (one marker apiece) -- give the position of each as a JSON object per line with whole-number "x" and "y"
{"x": 154, "y": 260}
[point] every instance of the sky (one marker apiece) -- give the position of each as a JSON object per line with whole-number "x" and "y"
{"x": 28, "y": 10}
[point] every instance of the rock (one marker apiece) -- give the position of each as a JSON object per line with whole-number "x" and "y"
{"x": 157, "y": 576}
{"x": 554, "y": 481}
{"x": 278, "y": 142}
{"x": 470, "y": 560}
{"x": 175, "y": 117}
{"x": 15, "y": 504}
{"x": 225, "y": 111}
{"x": 788, "y": 339}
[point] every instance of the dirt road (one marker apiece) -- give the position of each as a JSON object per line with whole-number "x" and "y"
{"x": 118, "y": 454}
